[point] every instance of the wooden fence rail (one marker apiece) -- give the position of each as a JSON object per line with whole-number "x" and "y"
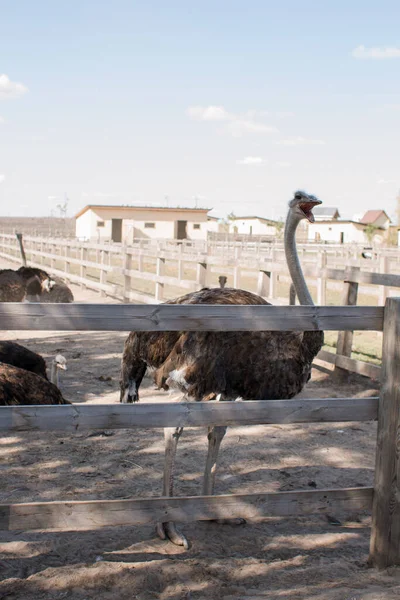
{"x": 120, "y": 271}
{"x": 384, "y": 497}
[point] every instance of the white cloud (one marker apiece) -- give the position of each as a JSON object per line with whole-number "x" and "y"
{"x": 252, "y": 160}
{"x": 236, "y": 125}
{"x": 376, "y": 52}
{"x": 11, "y": 89}
{"x": 209, "y": 113}
{"x": 2, "y": 121}
{"x": 2, "y": 178}
{"x": 300, "y": 141}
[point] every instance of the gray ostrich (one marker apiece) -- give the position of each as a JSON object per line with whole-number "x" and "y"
{"x": 260, "y": 365}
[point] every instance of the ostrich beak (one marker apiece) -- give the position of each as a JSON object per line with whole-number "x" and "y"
{"x": 306, "y": 209}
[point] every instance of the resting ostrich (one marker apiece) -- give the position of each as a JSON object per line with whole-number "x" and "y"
{"x": 261, "y": 365}
{"x": 59, "y": 292}
{"x": 12, "y": 286}
{"x": 18, "y": 386}
{"x": 16, "y": 355}
{"x": 37, "y": 281}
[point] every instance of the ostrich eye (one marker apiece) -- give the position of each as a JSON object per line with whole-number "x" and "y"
{"x": 298, "y": 196}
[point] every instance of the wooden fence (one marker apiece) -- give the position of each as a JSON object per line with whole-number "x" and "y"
{"x": 152, "y": 271}
{"x": 384, "y": 498}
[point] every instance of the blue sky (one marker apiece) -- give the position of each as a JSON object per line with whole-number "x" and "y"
{"x": 229, "y": 104}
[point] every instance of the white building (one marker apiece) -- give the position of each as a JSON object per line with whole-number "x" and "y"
{"x": 325, "y": 213}
{"x": 344, "y": 232}
{"x": 253, "y": 226}
{"x": 125, "y": 223}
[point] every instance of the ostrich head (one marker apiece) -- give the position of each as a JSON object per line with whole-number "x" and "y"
{"x": 222, "y": 279}
{"x": 60, "y": 362}
{"x": 302, "y": 204}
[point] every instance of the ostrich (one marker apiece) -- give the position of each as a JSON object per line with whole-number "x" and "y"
{"x": 12, "y": 286}
{"x": 59, "y": 292}
{"x": 18, "y": 386}
{"x": 58, "y": 362}
{"x": 260, "y": 365}
{"x": 16, "y": 355}
{"x": 222, "y": 279}
{"x": 36, "y": 280}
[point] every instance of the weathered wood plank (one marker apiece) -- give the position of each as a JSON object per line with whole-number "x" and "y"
{"x": 77, "y": 417}
{"x": 170, "y": 317}
{"x": 351, "y": 364}
{"x": 78, "y": 516}
{"x": 349, "y": 298}
{"x": 385, "y": 535}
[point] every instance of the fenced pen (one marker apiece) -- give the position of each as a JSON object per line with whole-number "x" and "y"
{"x": 151, "y": 271}
{"x": 384, "y": 497}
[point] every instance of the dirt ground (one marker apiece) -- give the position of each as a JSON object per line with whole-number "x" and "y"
{"x": 288, "y": 559}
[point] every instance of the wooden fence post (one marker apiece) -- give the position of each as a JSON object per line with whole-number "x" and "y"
{"x": 236, "y": 276}
{"x": 159, "y": 284}
{"x": 201, "y": 275}
{"x": 127, "y": 276}
{"x": 103, "y": 273}
{"x": 321, "y": 285}
{"x": 345, "y": 338}
{"x": 263, "y": 283}
{"x": 67, "y": 264}
{"x": 82, "y": 270}
{"x": 385, "y": 534}
{"x": 384, "y": 289}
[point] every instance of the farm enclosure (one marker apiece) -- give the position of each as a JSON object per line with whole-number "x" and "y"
{"x": 263, "y": 559}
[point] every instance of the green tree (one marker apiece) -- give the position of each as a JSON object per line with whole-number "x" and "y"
{"x": 370, "y": 231}
{"x": 279, "y": 227}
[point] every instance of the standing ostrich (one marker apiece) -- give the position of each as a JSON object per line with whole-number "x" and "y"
{"x": 262, "y": 365}
{"x": 58, "y": 363}
{"x": 18, "y": 386}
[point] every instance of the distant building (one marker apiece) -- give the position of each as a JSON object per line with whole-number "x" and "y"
{"x": 326, "y": 213}
{"x": 126, "y": 223}
{"x": 377, "y": 218}
{"x": 253, "y": 226}
{"x": 344, "y": 231}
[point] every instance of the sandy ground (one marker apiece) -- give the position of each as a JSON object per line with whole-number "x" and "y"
{"x": 289, "y": 559}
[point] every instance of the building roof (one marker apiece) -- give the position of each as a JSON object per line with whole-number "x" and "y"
{"x": 371, "y": 216}
{"x": 140, "y": 207}
{"x": 325, "y": 211}
{"x": 254, "y": 217}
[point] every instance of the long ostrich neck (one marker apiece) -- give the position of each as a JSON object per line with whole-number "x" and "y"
{"x": 54, "y": 374}
{"x": 293, "y": 262}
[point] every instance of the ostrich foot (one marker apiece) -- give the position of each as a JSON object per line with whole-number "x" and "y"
{"x": 168, "y": 531}
{"x": 234, "y": 522}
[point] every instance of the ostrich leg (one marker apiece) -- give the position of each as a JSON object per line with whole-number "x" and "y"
{"x": 168, "y": 530}
{"x": 215, "y": 437}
